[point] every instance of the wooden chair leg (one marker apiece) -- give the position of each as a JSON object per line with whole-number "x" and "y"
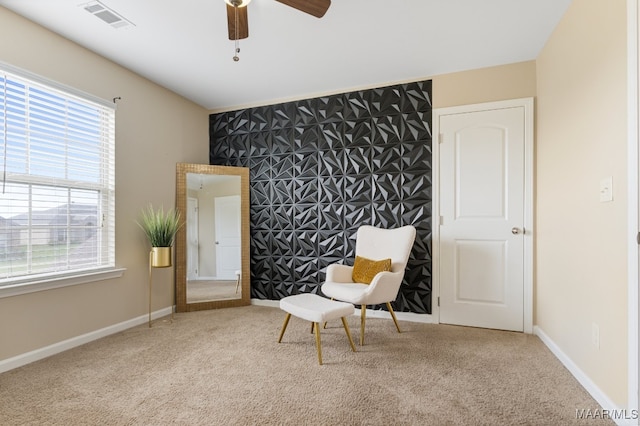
{"x": 346, "y": 329}
{"x": 318, "y": 343}
{"x": 284, "y": 327}
{"x": 393, "y": 315}
{"x": 363, "y": 315}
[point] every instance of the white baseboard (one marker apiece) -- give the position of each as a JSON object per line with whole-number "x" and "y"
{"x": 264, "y": 302}
{"x": 56, "y": 348}
{"x": 617, "y": 414}
{"x": 402, "y": 316}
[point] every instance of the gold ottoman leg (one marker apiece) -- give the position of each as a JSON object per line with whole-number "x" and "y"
{"x": 318, "y": 344}
{"x": 346, "y": 328}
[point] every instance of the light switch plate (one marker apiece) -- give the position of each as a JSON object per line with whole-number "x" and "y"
{"x": 606, "y": 189}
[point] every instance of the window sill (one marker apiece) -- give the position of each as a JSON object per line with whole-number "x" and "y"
{"x": 58, "y": 282}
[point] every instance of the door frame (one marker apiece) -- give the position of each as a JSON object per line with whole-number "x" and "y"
{"x": 528, "y": 105}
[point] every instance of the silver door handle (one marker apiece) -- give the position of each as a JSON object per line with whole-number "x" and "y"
{"x": 515, "y": 230}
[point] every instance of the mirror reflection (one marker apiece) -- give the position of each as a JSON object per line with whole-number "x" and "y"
{"x": 213, "y": 237}
{"x": 212, "y": 248}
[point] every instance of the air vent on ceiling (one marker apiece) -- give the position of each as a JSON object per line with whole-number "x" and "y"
{"x": 106, "y": 14}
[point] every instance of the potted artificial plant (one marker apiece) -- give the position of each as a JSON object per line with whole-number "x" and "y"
{"x": 160, "y": 227}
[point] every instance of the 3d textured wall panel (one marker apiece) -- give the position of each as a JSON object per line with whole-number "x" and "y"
{"x": 320, "y": 168}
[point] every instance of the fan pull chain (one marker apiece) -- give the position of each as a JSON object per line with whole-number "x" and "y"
{"x": 236, "y": 58}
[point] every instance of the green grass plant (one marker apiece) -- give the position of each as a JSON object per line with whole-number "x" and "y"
{"x": 159, "y": 226}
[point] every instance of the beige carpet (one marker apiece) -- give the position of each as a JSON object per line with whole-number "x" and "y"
{"x": 225, "y": 367}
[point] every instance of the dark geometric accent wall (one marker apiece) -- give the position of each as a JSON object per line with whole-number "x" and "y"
{"x": 320, "y": 168}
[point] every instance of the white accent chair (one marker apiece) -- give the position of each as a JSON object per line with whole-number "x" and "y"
{"x": 375, "y": 244}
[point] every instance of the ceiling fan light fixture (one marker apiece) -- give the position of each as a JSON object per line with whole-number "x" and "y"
{"x": 237, "y": 3}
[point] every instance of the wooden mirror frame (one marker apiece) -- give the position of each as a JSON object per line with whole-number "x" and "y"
{"x": 182, "y": 169}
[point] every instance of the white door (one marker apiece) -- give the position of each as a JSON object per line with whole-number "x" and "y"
{"x": 228, "y": 229}
{"x": 483, "y": 213}
{"x": 193, "y": 243}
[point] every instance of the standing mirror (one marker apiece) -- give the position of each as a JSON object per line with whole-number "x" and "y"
{"x": 212, "y": 248}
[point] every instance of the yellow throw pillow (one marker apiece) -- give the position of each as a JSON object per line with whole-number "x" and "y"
{"x": 365, "y": 269}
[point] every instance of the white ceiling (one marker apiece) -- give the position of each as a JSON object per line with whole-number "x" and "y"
{"x": 183, "y": 44}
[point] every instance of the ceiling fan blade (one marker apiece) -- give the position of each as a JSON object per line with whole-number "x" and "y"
{"x": 316, "y": 8}
{"x": 243, "y": 22}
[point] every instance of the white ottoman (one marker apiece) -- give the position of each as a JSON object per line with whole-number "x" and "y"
{"x": 316, "y": 309}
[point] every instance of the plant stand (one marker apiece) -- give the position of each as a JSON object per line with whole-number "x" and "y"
{"x": 154, "y": 263}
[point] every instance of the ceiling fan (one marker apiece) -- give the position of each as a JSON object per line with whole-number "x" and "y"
{"x": 239, "y": 25}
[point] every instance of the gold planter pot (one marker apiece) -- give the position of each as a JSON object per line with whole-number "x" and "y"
{"x": 161, "y": 257}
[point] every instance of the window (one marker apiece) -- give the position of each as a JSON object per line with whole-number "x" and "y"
{"x": 57, "y": 185}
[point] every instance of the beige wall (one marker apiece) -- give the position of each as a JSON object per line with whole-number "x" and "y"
{"x": 512, "y": 81}
{"x": 581, "y": 243}
{"x": 580, "y": 273}
{"x": 155, "y": 129}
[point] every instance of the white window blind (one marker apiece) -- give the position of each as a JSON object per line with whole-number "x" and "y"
{"x": 57, "y": 186}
